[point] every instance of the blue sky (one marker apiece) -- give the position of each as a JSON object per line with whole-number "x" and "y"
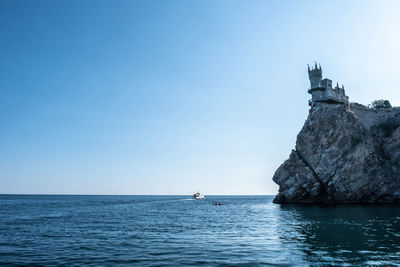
{"x": 169, "y": 97}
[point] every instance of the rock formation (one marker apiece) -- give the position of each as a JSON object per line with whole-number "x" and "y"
{"x": 344, "y": 154}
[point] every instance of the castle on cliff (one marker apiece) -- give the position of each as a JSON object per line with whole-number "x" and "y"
{"x": 322, "y": 90}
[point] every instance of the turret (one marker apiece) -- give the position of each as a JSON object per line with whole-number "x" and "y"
{"x": 315, "y": 76}
{"x": 337, "y": 88}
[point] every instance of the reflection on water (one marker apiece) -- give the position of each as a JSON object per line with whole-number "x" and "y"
{"x": 352, "y": 234}
{"x": 176, "y": 230}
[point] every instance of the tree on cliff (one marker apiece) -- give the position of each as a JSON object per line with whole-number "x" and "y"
{"x": 381, "y": 104}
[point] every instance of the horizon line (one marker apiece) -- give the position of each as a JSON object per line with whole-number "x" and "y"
{"x": 40, "y": 194}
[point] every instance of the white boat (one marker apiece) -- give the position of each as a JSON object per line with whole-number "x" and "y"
{"x": 198, "y": 196}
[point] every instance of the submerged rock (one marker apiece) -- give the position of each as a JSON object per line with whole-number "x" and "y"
{"x": 343, "y": 154}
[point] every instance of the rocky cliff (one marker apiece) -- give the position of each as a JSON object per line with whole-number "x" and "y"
{"x": 343, "y": 154}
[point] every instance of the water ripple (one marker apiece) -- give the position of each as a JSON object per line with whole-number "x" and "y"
{"x": 175, "y": 230}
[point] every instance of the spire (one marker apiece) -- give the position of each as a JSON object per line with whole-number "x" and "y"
{"x": 308, "y": 66}
{"x": 316, "y": 67}
{"x": 319, "y": 66}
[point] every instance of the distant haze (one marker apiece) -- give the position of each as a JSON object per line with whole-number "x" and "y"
{"x": 170, "y": 97}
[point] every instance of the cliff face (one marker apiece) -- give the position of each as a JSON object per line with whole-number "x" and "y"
{"x": 343, "y": 155}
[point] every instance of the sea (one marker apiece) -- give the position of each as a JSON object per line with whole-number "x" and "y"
{"x": 52, "y": 230}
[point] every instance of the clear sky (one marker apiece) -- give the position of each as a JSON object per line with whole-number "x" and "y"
{"x": 170, "y": 97}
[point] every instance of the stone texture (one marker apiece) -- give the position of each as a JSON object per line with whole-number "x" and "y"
{"x": 343, "y": 154}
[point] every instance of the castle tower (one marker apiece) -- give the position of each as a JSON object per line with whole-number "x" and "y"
{"x": 321, "y": 89}
{"x": 315, "y": 76}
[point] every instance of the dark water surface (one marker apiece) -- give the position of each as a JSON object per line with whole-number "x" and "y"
{"x": 175, "y": 230}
